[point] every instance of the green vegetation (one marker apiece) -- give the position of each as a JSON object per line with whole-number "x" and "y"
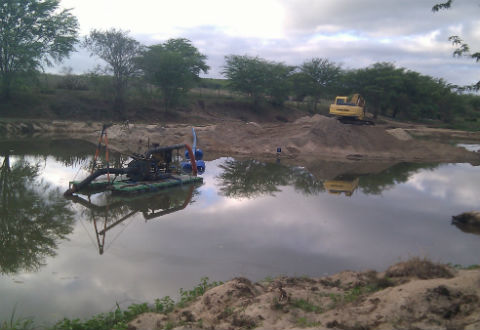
{"x": 33, "y": 33}
{"x": 258, "y": 78}
{"x": 303, "y": 322}
{"x": 462, "y": 48}
{"x": 119, "y": 51}
{"x": 190, "y": 295}
{"x": 306, "y": 306}
{"x": 16, "y": 323}
{"x": 138, "y": 82}
{"x": 174, "y": 67}
{"x": 118, "y": 319}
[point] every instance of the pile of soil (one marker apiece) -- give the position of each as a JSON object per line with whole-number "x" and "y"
{"x": 416, "y": 294}
{"x": 304, "y": 141}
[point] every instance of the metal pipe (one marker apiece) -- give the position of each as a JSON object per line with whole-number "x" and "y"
{"x": 96, "y": 174}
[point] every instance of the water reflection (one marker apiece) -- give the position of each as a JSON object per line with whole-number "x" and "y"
{"x": 375, "y": 184}
{"x": 343, "y": 184}
{"x": 468, "y": 222}
{"x": 33, "y": 217}
{"x": 251, "y": 178}
{"x": 117, "y": 209}
{"x": 248, "y": 219}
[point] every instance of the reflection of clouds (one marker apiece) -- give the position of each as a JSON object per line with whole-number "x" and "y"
{"x": 222, "y": 237}
{"x": 457, "y": 183}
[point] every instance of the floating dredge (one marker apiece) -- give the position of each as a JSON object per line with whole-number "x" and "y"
{"x": 149, "y": 172}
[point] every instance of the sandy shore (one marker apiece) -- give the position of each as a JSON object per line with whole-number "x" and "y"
{"x": 303, "y": 142}
{"x": 416, "y": 294}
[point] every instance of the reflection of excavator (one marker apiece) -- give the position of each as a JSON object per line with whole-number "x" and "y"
{"x": 341, "y": 185}
{"x": 119, "y": 209}
{"x": 350, "y": 111}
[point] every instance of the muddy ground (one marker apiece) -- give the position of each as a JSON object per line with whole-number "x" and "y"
{"x": 416, "y": 294}
{"x": 305, "y": 141}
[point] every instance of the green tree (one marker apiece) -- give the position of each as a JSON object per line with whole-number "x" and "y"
{"x": 174, "y": 67}
{"x": 278, "y": 84}
{"x": 379, "y": 84}
{"x": 33, "y": 33}
{"x": 247, "y": 75}
{"x": 258, "y": 78}
{"x": 462, "y": 48}
{"x": 119, "y": 51}
{"x": 319, "y": 77}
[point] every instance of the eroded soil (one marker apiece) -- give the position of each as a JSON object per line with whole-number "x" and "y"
{"x": 416, "y": 294}
{"x": 305, "y": 141}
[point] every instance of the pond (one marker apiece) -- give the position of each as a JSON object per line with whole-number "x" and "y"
{"x": 78, "y": 257}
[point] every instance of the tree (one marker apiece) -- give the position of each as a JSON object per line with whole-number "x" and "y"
{"x": 119, "y": 51}
{"x": 33, "y": 33}
{"x": 278, "y": 84}
{"x": 463, "y": 49}
{"x": 258, "y": 78}
{"x": 174, "y": 66}
{"x": 379, "y": 84}
{"x": 319, "y": 78}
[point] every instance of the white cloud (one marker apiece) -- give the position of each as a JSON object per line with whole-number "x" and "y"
{"x": 354, "y": 33}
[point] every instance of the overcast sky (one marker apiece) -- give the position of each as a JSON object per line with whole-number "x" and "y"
{"x": 353, "y": 33}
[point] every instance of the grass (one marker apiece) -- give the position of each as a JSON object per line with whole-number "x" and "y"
{"x": 118, "y": 318}
{"x": 17, "y": 323}
{"x": 462, "y": 267}
{"x": 306, "y": 306}
{"x": 303, "y": 322}
{"x": 420, "y": 268}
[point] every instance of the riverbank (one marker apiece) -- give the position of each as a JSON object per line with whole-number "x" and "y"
{"x": 415, "y": 294}
{"x": 304, "y": 141}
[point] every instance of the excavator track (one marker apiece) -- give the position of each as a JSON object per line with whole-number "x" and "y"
{"x": 354, "y": 121}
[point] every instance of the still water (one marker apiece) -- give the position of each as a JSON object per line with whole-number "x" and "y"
{"x": 78, "y": 257}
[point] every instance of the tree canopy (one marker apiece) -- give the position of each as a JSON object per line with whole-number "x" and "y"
{"x": 319, "y": 77}
{"x": 462, "y": 48}
{"x": 119, "y": 51}
{"x": 258, "y": 78}
{"x": 174, "y": 67}
{"x": 33, "y": 33}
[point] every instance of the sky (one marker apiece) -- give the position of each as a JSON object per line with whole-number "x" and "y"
{"x": 351, "y": 33}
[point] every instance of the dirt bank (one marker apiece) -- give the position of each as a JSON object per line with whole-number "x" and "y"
{"x": 416, "y": 294}
{"x": 304, "y": 141}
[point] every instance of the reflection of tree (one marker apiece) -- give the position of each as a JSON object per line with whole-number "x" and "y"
{"x": 250, "y": 178}
{"x": 376, "y": 183}
{"x": 69, "y": 152}
{"x": 306, "y": 182}
{"x": 33, "y": 218}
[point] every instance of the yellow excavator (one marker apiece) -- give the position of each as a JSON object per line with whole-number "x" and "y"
{"x": 350, "y": 111}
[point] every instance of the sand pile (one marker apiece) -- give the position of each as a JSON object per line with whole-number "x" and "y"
{"x": 416, "y": 294}
{"x": 304, "y": 141}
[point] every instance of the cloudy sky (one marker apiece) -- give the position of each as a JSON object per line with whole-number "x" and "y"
{"x": 352, "y": 33}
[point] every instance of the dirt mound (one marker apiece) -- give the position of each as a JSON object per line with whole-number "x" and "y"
{"x": 449, "y": 299}
{"x": 303, "y": 142}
